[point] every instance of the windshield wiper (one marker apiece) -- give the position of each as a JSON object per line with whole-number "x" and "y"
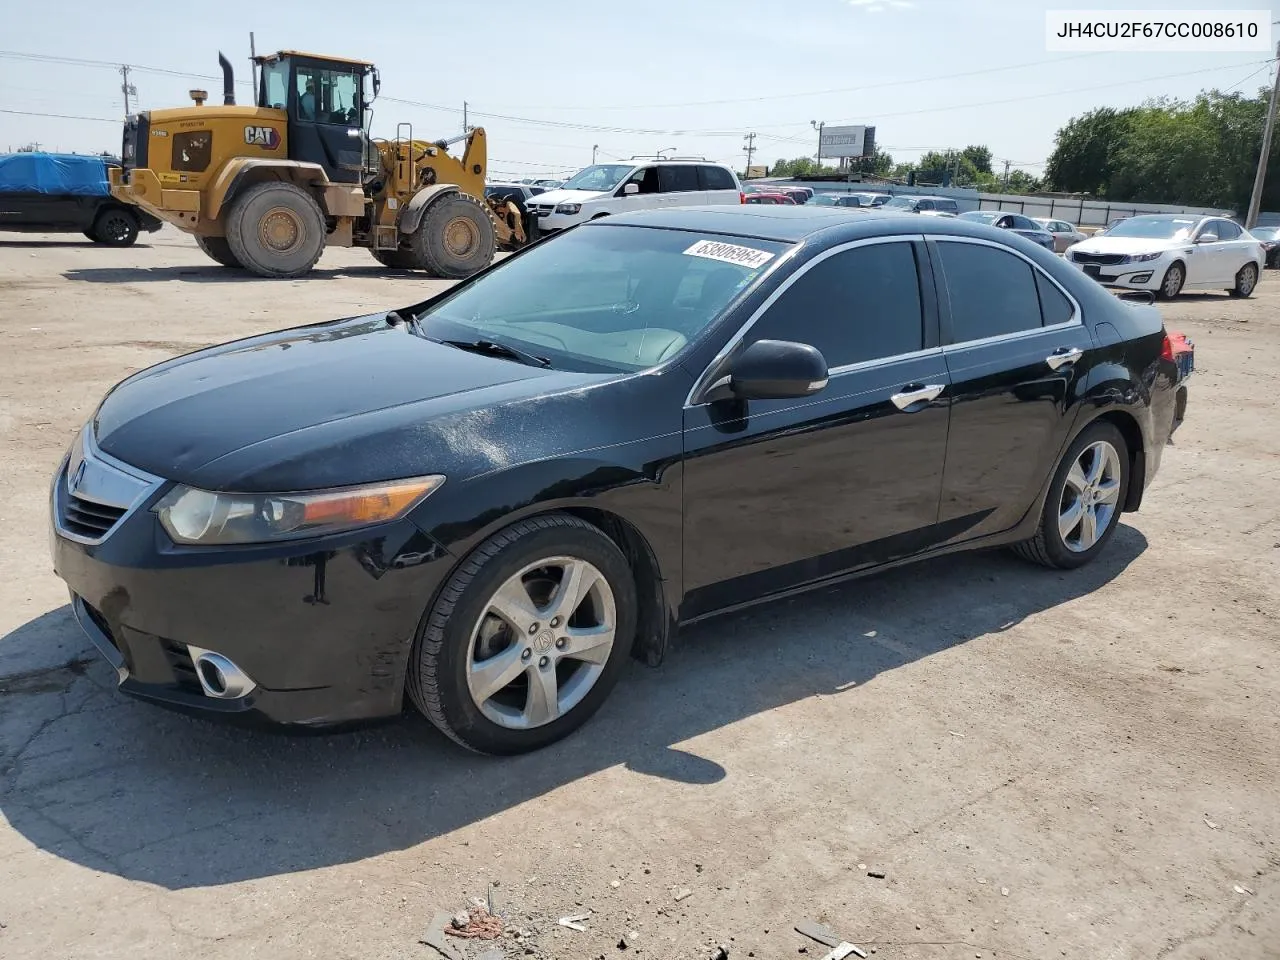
{"x": 495, "y": 349}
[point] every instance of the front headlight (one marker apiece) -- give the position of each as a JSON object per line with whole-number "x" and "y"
{"x": 1142, "y": 257}
{"x": 568, "y": 207}
{"x": 194, "y": 516}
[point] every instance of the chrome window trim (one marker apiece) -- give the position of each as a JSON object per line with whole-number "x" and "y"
{"x": 701, "y": 383}
{"x": 1077, "y": 314}
{"x": 90, "y": 451}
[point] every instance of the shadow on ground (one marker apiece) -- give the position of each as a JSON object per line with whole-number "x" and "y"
{"x": 129, "y": 789}
{"x": 86, "y": 244}
{"x": 213, "y": 273}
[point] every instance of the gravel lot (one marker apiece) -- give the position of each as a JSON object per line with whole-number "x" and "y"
{"x": 1040, "y": 765}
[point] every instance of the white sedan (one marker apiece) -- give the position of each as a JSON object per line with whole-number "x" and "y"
{"x": 1168, "y": 253}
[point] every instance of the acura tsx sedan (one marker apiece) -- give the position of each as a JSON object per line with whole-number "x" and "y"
{"x": 489, "y": 500}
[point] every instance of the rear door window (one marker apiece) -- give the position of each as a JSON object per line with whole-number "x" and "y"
{"x": 992, "y": 292}
{"x": 948, "y": 206}
{"x": 1055, "y": 308}
{"x": 1228, "y": 230}
{"x": 1023, "y": 223}
{"x": 678, "y": 178}
{"x": 716, "y": 178}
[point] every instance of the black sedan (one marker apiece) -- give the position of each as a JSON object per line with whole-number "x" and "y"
{"x": 1023, "y": 226}
{"x": 489, "y": 500}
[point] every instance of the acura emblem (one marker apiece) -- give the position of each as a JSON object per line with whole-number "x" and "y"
{"x": 77, "y": 477}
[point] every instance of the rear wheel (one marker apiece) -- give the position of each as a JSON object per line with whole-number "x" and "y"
{"x": 395, "y": 259}
{"x": 276, "y": 230}
{"x": 1174, "y": 277}
{"x": 527, "y": 638}
{"x": 1246, "y": 281}
{"x": 115, "y": 227}
{"x": 1083, "y": 507}
{"x": 218, "y": 250}
{"x": 455, "y": 238}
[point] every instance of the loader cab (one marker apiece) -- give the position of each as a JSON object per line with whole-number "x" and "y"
{"x": 327, "y": 108}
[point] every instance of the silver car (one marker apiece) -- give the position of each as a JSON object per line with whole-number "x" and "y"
{"x": 1064, "y": 234}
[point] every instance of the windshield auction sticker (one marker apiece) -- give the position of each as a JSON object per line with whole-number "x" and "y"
{"x": 729, "y": 253}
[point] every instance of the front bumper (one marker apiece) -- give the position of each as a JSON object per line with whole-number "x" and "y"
{"x": 323, "y": 627}
{"x": 1130, "y": 276}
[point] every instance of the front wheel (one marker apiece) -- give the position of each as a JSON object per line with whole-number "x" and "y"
{"x": 1246, "y": 281}
{"x": 526, "y": 639}
{"x": 394, "y": 259}
{"x": 1173, "y": 280}
{"x": 1085, "y": 498}
{"x": 218, "y": 250}
{"x": 455, "y": 238}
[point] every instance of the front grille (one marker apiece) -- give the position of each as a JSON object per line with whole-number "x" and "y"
{"x": 1107, "y": 259}
{"x": 542, "y": 209}
{"x": 135, "y": 148}
{"x": 87, "y": 518}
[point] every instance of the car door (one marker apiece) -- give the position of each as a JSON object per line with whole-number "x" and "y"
{"x": 679, "y": 185}
{"x": 325, "y": 111}
{"x": 925, "y": 206}
{"x": 1014, "y": 344}
{"x": 718, "y": 184}
{"x": 1204, "y": 254}
{"x": 1231, "y": 251}
{"x": 779, "y": 493}
{"x": 1026, "y": 227}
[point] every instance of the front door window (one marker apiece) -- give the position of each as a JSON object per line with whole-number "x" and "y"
{"x": 327, "y": 95}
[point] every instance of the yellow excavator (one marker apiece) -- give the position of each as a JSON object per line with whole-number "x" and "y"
{"x": 268, "y": 187}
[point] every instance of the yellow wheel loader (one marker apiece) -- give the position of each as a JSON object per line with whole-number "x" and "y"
{"x": 267, "y": 187}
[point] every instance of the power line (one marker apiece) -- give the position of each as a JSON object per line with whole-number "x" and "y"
{"x": 60, "y": 116}
{"x": 80, "y": 62}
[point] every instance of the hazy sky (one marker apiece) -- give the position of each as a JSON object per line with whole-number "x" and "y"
{"x": 693, "y": 74}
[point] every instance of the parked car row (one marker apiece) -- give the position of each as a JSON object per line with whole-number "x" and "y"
{"x": 1023, "y": 226}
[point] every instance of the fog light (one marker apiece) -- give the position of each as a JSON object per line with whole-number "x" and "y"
{"x": 218, "y": 676}
{"x": 1140, "y": 278}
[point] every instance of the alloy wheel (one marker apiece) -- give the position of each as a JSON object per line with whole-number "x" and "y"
{"x": 541, "y": 642}
{"x": 1247, "y": 279}
{"x": 115, "y": 228}
{"x": 1173, "y": 281}
{"x": 1090, "y": 496}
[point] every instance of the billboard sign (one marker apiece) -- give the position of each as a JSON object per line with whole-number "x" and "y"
{"x": 848, "y": 141}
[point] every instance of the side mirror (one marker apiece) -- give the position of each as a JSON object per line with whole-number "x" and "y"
{"x": 631, "y": 188}
{"x": 1207, "y": 238}
{"x": 772, "y": 370}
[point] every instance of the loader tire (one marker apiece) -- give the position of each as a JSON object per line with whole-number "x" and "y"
{"x": 276, "y": 229}
{"x": 218, "y": 250}
{"x": 395, "y": 259}
{"x": 455, "y": 238}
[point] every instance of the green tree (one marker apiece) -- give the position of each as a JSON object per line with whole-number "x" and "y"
{"x": 979, "y": 156}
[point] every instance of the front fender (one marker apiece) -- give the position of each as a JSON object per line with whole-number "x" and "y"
{"x": 411, "y": 214}
{"x": 239, "y": 172}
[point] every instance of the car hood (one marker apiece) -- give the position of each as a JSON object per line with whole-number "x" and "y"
{"x": 1128, "y": 245}
{"x": 352, "y": 401}
{"x": 569, "y": 196}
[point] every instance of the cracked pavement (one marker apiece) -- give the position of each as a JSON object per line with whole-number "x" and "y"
{"x": 1103, "y": 745}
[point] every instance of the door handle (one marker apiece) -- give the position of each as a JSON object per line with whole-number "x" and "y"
{"x": 914, "y": 393}
{"x": 1063, "y": 356}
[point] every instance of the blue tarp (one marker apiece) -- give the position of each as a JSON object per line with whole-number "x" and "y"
{"x": 53, "y": 174}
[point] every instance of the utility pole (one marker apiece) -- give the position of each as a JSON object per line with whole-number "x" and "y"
{"x": 1006, "y": 174}
{"x": 818, "y": 125}
{"x": 465, "y": 128}
{"x": 1255, "y": 201}
{"x": 127, "y": 88}
{"x": 594, "y": 148}
{"x": 253, "y": 66}
{"x": 750, "y": 148}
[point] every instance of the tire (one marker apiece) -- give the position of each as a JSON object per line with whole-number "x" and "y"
{"x": 395, "y": 259}
{"x": 1174, "y": 278}
{"x": 276, "y": 230}
{"x": 218, "y": 250}
{"x": 1049, "y": 547}
{"x": 115, "y": 227}
{"x": 455, "y": 238}
{"x": 1246, "y": 281}
{"x": 460, "y": 624}
{"x": 89, "y": 235}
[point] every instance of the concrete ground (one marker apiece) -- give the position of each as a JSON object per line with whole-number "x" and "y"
{"x": 1040, "y": 764}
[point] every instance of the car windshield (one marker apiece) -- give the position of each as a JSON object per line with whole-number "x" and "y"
{"x": 899, "y": 202}
{"x": 981, "y": 216}
{"x": 1265, "y": 233}
{"x": 603, "y": 298}
{"x": 1154, "y": 228}
{"x": 603, "y": 176}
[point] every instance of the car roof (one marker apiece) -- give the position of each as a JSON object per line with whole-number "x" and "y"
{"x": 788, "y": 224}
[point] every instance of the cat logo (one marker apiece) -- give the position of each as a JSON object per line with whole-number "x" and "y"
{"x": 265, "y": 137}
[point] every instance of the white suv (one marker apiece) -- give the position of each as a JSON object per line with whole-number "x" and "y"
{"x": 608, "y": 188}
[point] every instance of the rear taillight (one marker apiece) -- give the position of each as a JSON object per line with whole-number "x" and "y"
{"x": 1166, "y": 348}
